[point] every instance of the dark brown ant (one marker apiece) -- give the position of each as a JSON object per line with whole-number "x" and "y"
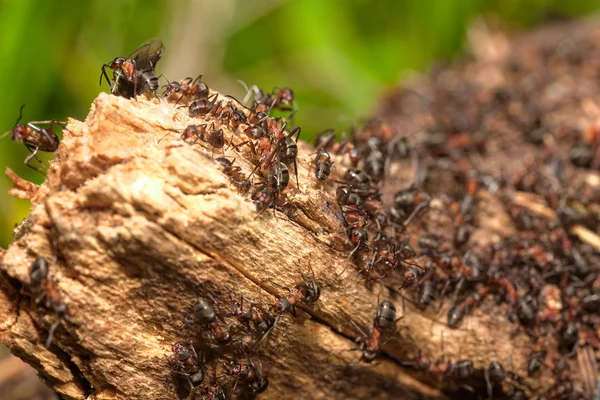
{"x": 35, "y": 138}
{"x": 44, "y": 287}
{"x": 206, "y": 316}
{"x": 235, "y": 174}
{"x": 182, "y": 355}
{"x": 253, "y": 378}
{"x": 279, "y": 98}
{"x": 384, "y": 321}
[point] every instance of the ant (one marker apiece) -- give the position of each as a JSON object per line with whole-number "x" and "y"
{"x": 307, "y": 293}
{"x": 279, "y": 98}
{"x": 211, "y": 136}
{"x": 194, "y": 88}
{"x": 235, "y": 174}
{"x": 384, "y": 320}
{"x": 206, "y": 316}
{"x": 459, "y": 369}
{"x": 252, "y": 376}
{"x": 254, "y": 314}
{"x": 183, "y": 357}
{"x": 408, "y": 204}
{"x": 45, "y": 288}
{"x": 36, "y": 138}
{"x": 129, "y": 72}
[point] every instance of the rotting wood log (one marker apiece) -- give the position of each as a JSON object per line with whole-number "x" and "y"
{"x": 140, "y": 229}
{"x": 141, "y": 224}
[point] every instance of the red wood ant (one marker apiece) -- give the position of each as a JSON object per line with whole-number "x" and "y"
{"x": 189, "y": 87}
{"x": 458, "y": 369}
{"x": 279, "y": 98}
{"x": 251, "y": 376}
{"x": 253, "y": 314}
{"x": 182, "y": 355}
{"x": 211, "y": 136}
{"x": 36, "y": 138}
{"x": 129, "y": 73}
{"x": 44, "y": 287}
{"x": 206, "y": 316}
{"x": 384, "y": 321}
{"x": 235, "y": 173}
{"x": 307, "y": 293}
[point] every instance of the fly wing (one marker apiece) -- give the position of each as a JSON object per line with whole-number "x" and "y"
{"x": 147, "y": 55}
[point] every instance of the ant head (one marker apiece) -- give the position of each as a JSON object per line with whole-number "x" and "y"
{"x": 116, "y": 63}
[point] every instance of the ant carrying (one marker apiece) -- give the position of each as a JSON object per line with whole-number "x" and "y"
{"x": 36, "y": 138}
{"x": 44, "y": 287}
{"x": 384, "y": 321}
{"x": 211, "y": 136}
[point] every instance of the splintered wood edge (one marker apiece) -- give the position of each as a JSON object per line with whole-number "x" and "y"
{"x": 154, "y": 225}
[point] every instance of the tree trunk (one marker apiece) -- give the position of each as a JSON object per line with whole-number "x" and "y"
{"x": 136, "y": 224}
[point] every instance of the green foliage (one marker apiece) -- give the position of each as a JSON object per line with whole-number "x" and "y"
{"x": 337, "y": 55}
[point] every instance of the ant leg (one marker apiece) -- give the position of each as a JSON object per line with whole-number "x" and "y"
{"x": 268, "y": 331}
{"x": 359, "y": 330}
{"x": 416, "y": 211}
{"x": 51, "y": 332}
{"x": 490, "y": 390}
{"x": 33, "y": 154}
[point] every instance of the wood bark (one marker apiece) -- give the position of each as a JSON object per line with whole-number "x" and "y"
{"x": 139, "y": 224}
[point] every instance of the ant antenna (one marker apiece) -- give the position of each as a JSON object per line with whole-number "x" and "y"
{"x": 20, "y": 114}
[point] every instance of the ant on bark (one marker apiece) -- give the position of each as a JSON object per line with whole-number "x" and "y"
{"x": 135, "y": 70}
{"x": 307, "y": 293}
{"x": 36, "y": 138}
{"x": 384, "y": 321}
{"x": 44, "y": 287}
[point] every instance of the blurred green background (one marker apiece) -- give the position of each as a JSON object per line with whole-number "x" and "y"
{"x": 337, "y": 55}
